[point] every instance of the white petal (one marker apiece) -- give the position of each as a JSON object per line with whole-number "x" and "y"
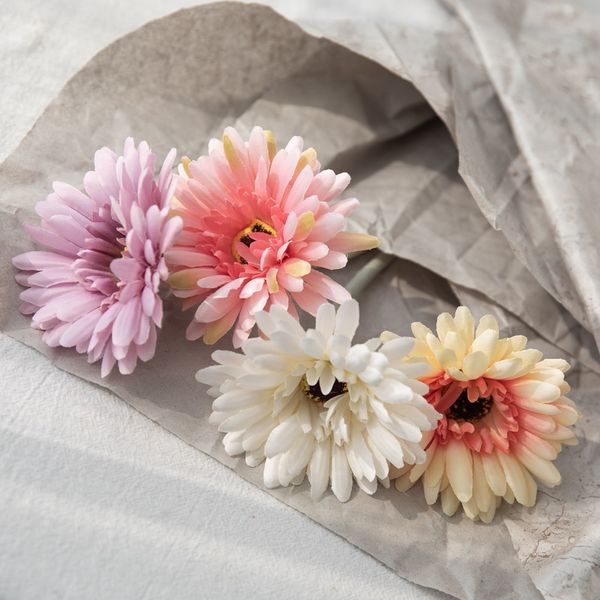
{"x": 369, "y": 487}
{"x": 398, "y": 348}
{"x": 487, "y": 322}
{"x": 481, "y": 490}
{"x": 271, "y": 472}
{"x": 318, "y": 471}
{"x": 362, "y": 453}
{"x": 357, "y": 358}
{"x": 504, "y": 369}
{"x": 300, "y": 454}
{"x": 538, "y": 391}
{"x": 494, "y": 474}
{"x": 256, "y": 435}
{"x": 346, "y": 320}
{"x": 282, "y": 437}
{"x": 325, "y": 322}
{"x": 237, "y": 399}
{"x": 245, "y": 418}
{"x": 404, "y": 429}
{"x": 486, "y": 343}
{"x": 450, "y": 502}
{"x": 393, "y": 392}
{"x": 543, "y": 469}
{"x": 475, "y": 364}
{"x": 434, "y": 473}
{"x": 403, "y": 483}
{"x": 459, "y": 467}
{"x": 514, "y": 477}
{"x": 341, "y": 476}
{"x": 387, "y": 444}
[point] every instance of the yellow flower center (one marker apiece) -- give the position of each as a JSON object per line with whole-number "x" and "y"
{"x": 245, "y": 237}
{"x": 313, "y": 392}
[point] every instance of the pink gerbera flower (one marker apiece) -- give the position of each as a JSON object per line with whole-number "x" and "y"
{"x": 505, "y": 417}
{"x": 257, "y": 222}
{"x": 96, "y": 287}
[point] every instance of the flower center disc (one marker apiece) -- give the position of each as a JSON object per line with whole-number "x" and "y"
{"x": 313, "y": 392}
{"x": 245, "y": 237}
{"x": 464, "y": 410}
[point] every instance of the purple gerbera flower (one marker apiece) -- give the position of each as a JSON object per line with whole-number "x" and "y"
{"x": 96, "y": 285}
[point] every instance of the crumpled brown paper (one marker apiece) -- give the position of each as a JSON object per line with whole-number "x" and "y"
{"x": 403, "y": 106}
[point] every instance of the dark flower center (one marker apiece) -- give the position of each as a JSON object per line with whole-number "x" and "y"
{"x": 245, "y": 237}
{"x": 464, "y": 410}
{"x": 314, "y": 391}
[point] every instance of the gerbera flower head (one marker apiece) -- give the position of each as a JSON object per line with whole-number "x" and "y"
{"x": 257, "y": 221}
{"x": 505, "y": 416}
{"x": 95, "y": 286}
{"x": 310, "y": 403}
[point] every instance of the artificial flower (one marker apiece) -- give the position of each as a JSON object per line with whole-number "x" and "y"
{"x": 309, "y": 403}
{"x": 257, "y": 221}
{"x": 96, "y": 285}
{"x": 505, "y": 416}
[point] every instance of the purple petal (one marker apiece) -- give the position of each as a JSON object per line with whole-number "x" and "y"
{"x": 35, "y": 260}
{"x": 126, "y": 269}
{"x": 80, "y": 331}
{"x": 146, "y": 350}
{"x": 51, "y": 240}
{"x": 127, "y": 364}
{"x": 127, "y": 323}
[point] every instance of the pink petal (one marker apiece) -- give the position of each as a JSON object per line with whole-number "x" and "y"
{"x": 298, "y": 190}
{"x": 80, "y": 330}
{"x": 164, "y": 178}
{"x": 148, "y": 300}
{"x": 334, "y": 260}
{"x": 290, "y": 283}
{"x": 195, "y": 330}
{"x": 346, "y": 207}
{"x": 141, "y": 337}
{"x": 313, "y": 251}
{"x": 77, "y": 303}
{"x": 35, "y": 260}
{"x": 321, "y": 183}
{"x": 326, "y": 227}
{"x": 52, "y": 276}
{"x": 126, "y": 269}
{"x": 51, "y": 240}
{"x": 309, "y": 300}
{"x": 342, "y": 181}
{"x": 190, "y": 258}
{"x": 213, "y": 281}
{"x": 127, "y": 365}
{"x": 327, "y": 287}
{"x": 172, "y": 228}
{"x": 127, "y": 323}
{"x": 75, "y": 199}
{"x": 148, "y": 348}
{"x": 252, "y": 287}
{"x": 108, "y": 362}
{"x": 214, "y": 308}
{"x": 153, "y": 224}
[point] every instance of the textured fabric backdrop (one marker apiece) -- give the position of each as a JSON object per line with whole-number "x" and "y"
{"x": 405, "y": 104}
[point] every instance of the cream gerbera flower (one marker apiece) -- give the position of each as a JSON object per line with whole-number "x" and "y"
{"x": 505, "y": 419}
{"x": 311, "y": 403}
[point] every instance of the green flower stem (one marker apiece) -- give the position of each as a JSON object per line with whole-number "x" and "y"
{"x": 368, "y": 272}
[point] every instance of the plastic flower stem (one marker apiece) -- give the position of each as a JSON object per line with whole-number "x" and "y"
{"x": 368, "y": 273}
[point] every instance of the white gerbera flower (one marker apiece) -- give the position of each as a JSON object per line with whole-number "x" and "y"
{"x": 311, "y": 403}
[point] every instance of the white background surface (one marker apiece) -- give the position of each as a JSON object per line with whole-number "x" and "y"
{"x": 96, "y": 501}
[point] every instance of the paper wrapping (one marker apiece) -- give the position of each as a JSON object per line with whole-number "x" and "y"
{"x": 405, "y": 107}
